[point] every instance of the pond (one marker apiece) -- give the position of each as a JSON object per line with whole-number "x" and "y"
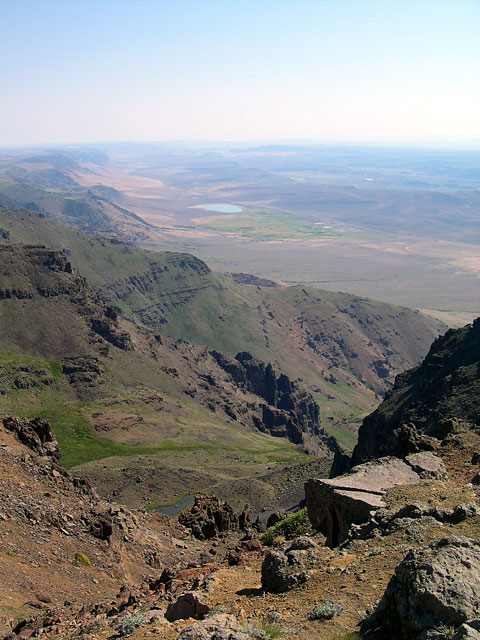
{"x": 220, "y": 208}
{"x": 173, "y": 509}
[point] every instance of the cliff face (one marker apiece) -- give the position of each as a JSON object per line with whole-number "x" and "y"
{"x": 111, "y": 387}
{"x": 346, "y": 349}
{"x": 289, "y": 411}
{"x": 428, "y": 401}
{"x": 168, "y": 283}
{"x": 62, "y": 310}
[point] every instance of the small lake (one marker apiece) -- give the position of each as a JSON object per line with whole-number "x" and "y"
{"x": 219, "y": 208}
{"x": 182, "y": 504}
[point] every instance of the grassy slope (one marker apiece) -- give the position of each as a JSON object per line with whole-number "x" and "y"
{"x": 152, "y": 423}
{"x": 176, "y": 294}
{"x": 224, "y": 454}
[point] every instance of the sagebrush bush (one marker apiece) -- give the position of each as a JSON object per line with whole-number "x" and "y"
{"x": 267, "y": 629}
{"x": 325, "y": 611}
{"x": 298, "y": 524}
{"x": 128, "y": 625}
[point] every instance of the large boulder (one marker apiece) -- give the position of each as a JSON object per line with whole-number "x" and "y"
{"x": 435, "y": 586}
{"x": 289, "y": 565}
{"x": 186, "y": 606}
{"x": 335, "y": 504}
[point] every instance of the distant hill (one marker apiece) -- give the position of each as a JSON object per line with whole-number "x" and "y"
{"x": 48, "y": 183}
{"x": 346, "y": 350}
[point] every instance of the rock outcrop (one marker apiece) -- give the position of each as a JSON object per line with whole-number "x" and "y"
{"x": 385, "y": 521}
{"x": 248, "y": 278}
{"x": 431, "y": 587}
{"x": 210, "y": 516}
{"x": 289, "y": 411}
{"x": 336, "y": 504}
{"x": 47, "y": 279}
{"x": 186, "y": 606}
{"x": 427, "y": 402}
{"x": 36, "y": 434}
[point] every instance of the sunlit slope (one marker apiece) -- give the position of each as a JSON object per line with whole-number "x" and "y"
{"x": 113, "y": 390}
{"x": 346, "y": 349}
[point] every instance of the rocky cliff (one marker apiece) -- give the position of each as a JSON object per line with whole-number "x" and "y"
{"x": 288, "y": 411}
{"x": 345, "y": 349}
{"x": 47, "y": 280}
{"x": 429, "y": 401}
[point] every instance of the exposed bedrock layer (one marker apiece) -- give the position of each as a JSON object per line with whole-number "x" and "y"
{"x": 335, "y": 504}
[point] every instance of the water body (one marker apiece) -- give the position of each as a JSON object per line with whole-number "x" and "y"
{"x": 220, "y": 208}
{"x": 182, "y": 504}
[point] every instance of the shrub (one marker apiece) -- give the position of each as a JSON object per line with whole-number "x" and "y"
{"x": 325, "y": 611}
{"x": 217, "y": 609}
{"x": 83, "y": 559}
{"x": 278, "y": 541}
{"x": 297, "y": 524}
{"x": 267, "y": 629}
{"x": 128, "y": 625}
{"x": 444, "y": 632}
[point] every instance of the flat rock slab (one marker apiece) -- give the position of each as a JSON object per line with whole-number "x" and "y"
{"x": 335, "y": 504}
{"x": 427, "y": 465}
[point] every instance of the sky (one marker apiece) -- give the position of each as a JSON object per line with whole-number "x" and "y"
{"x": 192, "y": 70}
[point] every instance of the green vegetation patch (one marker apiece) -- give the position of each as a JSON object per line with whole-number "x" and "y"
{"x": 292, "y": 526}
{"x": 266, "y": 225}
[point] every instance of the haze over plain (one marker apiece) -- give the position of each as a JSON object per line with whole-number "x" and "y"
{"x": 367, "y": 219}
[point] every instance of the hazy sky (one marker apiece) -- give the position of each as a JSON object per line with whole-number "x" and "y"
{"x": 343, "y": 70}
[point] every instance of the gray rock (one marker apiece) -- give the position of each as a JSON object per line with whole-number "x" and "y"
{"x": 219, "y": 627}
{"x": 435, "y": 586}
{"x": 386, "y": 521}
{"x": 466, "y": 632}
{"x": 427, "y": 465}
{"x": 334, "y": 505}
{"x": 282, "y": 571}
{"x": 301, "y": 544}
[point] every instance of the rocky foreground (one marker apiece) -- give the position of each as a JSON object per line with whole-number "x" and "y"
{"x": 75, "y": 566}
{"x": 389, "y": 550}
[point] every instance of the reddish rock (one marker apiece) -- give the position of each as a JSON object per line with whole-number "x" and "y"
{"x": 251, "y": 545}
{"x": 186, "y": 606}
